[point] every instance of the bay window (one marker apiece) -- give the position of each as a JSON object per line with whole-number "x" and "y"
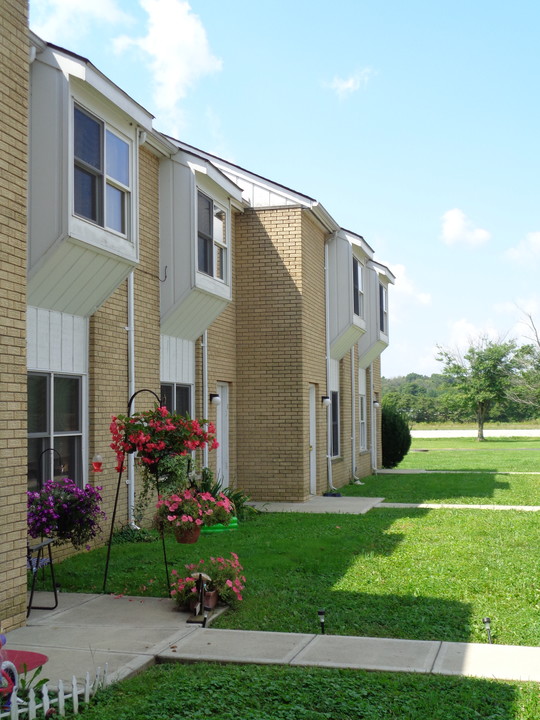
{"x": 102, "y": 173}
{"x": 211, "y": 238}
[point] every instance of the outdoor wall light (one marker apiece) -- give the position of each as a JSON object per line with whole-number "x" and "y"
{"x": 321, "y": 614}
{"x": 97, "y": 463}
{"x": 487, "y": 625}
{"x": 376, "y": 404}
{"x": 215, "y": 399}
{"x": 326, "y": 401}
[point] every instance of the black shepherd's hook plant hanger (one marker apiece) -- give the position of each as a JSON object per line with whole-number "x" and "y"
{"x": 120, "y": 473}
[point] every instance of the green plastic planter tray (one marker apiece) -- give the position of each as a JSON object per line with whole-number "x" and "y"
{"x": 233, "y": 525}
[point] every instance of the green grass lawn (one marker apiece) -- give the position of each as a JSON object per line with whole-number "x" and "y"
{"x": 495, "y": 454}
{"x": 419, "y": 574}
{"x": 241, "y": 692}
{"x": 464, "y": 488}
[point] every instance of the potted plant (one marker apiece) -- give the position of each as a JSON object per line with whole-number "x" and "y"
{"x": 65, "y": 512}
{"x": 216, "y": 511}
{"x": 224, "y": 581}
{"x": 180, "y": 513}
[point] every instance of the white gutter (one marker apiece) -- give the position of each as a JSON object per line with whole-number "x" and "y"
{"x": 130, "y": 480}
{"x": 329, "y": 408}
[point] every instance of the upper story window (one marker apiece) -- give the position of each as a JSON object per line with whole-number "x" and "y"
{"x": 383, "y": 309}
{"x": 211, "y": 238}
{"x": 358, "y": 288}
{"x": 102, "y": 173}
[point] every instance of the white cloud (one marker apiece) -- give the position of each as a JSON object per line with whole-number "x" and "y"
{"x": 404, "y": 288}
{"x": 458, "y": 229}
{"x": 177, "y": 48}
{"x": 62, "y": 21}
{"x": 346, "y": 86}
{"x": 527, "y": 251}
{"x": 464, "y": 333}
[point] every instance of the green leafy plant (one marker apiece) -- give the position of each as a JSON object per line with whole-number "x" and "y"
{"x": 395, "y": 437}
{"x": 25, "y": 683}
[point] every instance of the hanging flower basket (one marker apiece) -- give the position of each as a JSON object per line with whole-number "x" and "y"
{"x": 187, "y": 534}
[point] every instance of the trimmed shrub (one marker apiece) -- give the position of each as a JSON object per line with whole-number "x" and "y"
{"x": 396, "y": 437}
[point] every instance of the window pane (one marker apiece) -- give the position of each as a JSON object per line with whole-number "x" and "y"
{"x": 116, "y": 209}
{"x": 117, "y": 158}
{"x": 36, "y": 463}
{"x": 86, "y": 194}
{"x": 167, "y": 397}
{"x": 219, "y": 227}
{"x": 205, "y": 255}
{"x": 204, "y": 215}
{"x": 67, "y": 403}
{"x": 37, "y": 404}
{"x": 335, "y": 424}
{"x": 220, "y": 263}
{"x": 356, "y": 299}
{"x": 183, "y": 400}
{"x": 69, "y": 448}
{"x": 87, "y": 139}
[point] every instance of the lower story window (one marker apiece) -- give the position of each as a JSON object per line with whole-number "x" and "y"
{"x": 54, "y": 428}
{"x": 362, "y": 419}
{"x": 334, "y": 396}
{"x": 176, "y": 398}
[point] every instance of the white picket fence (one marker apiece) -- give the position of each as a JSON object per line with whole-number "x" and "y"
{"x": 37, "y": 708}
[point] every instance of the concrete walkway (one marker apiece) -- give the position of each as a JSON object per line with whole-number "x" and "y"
{"x": 133, "y": 633}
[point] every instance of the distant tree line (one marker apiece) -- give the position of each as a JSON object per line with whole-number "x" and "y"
{"x": 498, "y": 381}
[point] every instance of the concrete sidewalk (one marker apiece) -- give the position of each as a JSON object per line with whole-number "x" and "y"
{"x": 132, "y": 633}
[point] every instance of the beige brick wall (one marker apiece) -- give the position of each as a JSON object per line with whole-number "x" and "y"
{"x": 13, "y": 190}
{"x": 109, "y": 390}
{"x": 271, "y": 440}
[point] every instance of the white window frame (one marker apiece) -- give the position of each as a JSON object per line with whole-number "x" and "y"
{"x": 358, "y": 288}
{"x": 362, "y": 422}
{"x": 50, "y": 459}
{"x": 335, "y": 416}
{"x": 173, "y": 386}
{"x": 383, "y": 309}
{"x": 217, "y": 245}
{"x": 112, "y": 119}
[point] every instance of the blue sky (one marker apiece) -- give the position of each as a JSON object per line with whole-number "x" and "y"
{"x": 416, "y": 124}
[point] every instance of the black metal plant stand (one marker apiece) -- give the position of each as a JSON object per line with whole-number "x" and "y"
{"x": 121, "y": 472}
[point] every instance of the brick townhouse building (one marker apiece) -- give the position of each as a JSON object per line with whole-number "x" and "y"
{"x": 132, "y": 260}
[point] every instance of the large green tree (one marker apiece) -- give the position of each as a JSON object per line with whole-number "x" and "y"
{"x": 481, "y": 377}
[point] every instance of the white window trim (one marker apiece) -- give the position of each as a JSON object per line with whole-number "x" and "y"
{"x": 174, "y": 385}
{"x": 84, "y": 414}
{"x": 81, "y": 228}
{"x": 383, "y": 309}
{"x": 362, "y": 423}
{"x": 225, "y": 246}
{"x": 208, "y": 186}
{"x": 360, "y": 281}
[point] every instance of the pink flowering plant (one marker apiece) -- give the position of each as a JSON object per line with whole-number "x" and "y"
{"x": 216, "y": 511}
{"x": 63, "y": 511}
{"x": 182, "y": 510}
{"x": 157, "y": 434}
{"x": 226, "y": 575}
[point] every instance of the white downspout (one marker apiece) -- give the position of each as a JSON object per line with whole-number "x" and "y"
{"x": 353, "y": 416}
{"x": 205, "y": 389}
{"x": 373, "y": 423}
{"x": 130, "y": 480}
{"x": 329, "y": 408}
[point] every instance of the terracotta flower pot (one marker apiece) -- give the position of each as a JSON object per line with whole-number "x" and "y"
{"x": 189, "y": 534}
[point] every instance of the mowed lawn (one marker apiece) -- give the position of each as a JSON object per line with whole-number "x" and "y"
{"x": 402, "y": 573}
{"x": 500, "y": 471}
